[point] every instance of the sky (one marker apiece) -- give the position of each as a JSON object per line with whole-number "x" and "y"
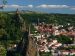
{"x": 48, "y": 6}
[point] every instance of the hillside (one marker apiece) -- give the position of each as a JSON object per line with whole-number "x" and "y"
{"x": 10, "y": 32}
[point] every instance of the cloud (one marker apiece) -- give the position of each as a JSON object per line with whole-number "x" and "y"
{"x": 39, "y": 6}
{"x": 13, "y": 6}
{"x": 18, "y": 6}
{"x": 30, "y": 6}
{"x": 52, "y": 6}
{"x": 72, "y": 8}
{"x": 44, "y": 6}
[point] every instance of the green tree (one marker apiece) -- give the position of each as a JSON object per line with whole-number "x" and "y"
{"x": 64, "y": 39}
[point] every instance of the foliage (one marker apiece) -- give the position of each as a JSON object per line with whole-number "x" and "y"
{"x": 45, "y": 54}
{"x": 2, "y": 51}
{"x": 64, "y": 39}
{"x": 70, "y": 47}
{"x": 10, "y": 25}
{"x": 62, "y": 19}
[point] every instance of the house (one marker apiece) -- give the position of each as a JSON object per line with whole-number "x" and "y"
{"x": 55, "y": 41}
{"x": 38, "y": 36}
{"x": 58, "y": 44}
{"x": 56, "y": 32}
{"x": 52, "y": 43}
{"x": 72, "y": 52}
{"x": 65, "y": 52}
{"x": 54, "y": 47}
{"x": 46, "y": 49}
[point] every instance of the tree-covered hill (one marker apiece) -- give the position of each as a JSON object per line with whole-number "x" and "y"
{"x": 51, "y": 18}
{"x": 10, "y": 24}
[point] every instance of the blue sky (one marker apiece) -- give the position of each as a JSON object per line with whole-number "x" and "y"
{"x": 49, "y": 6}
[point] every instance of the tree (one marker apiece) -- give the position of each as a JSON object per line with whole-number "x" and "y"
{"x": 4, "y": 2}
{"x": 64, "y": 39}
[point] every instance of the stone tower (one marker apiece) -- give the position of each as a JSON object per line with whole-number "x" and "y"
{"x": 28, "y": 46}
